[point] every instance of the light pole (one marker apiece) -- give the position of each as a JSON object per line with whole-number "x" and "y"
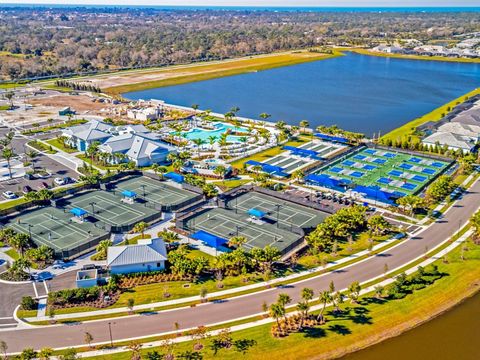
{"x": 92, "y": 204}
{"x": 143, "y": 187}
{"x": 30, "y": 230}
{"x": 110, "y": 331}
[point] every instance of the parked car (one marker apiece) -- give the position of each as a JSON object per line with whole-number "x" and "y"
{"x": 42, "y": 276}
{"x": 27, "y": 189}
{"x": 89, "y": 267}
{"x": 9, "y": 194}
{"x": 28, "y": 176}
{"x": 59, "y": 181}
{"x": 43, "y": 185}
{"x": 68, "y": 180}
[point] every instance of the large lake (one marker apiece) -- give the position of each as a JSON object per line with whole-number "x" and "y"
{"x": 357, "y": 92}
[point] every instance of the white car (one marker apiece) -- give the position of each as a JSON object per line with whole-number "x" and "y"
{"x": 10, "y": 195}
{"x": 59, "y": 181}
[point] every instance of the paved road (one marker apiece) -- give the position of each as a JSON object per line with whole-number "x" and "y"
{"x": 122, "y": 328}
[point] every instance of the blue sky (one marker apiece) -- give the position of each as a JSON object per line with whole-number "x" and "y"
{"x": 353, "y": 3}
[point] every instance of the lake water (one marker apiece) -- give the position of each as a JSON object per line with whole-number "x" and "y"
{"x": 357, "y": 92}
{"x": 453, "y": 335}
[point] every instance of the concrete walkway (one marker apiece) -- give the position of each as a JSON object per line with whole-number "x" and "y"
{"x": 152, "y": 344}
{"x": 186, "y": 300}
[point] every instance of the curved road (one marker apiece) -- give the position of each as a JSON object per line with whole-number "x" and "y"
{"x": 123, "y": 328}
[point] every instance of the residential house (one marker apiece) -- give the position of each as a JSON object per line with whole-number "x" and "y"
{"x": 144, "y": 114}
{"x": 147, "y": 255}
{"x": 451, "y": 141}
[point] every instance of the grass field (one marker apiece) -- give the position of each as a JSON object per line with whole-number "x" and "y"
{"x": 58, "y": 144}
{"x": 360, "y": 325}
{"x": 203, "y": 71}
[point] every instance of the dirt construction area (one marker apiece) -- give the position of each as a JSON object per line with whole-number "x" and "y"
{"x": 80, "y": 103}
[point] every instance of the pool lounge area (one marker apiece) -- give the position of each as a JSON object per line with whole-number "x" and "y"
{"x": 218, "y": 129}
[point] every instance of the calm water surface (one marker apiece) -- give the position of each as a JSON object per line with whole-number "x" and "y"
{"x": 356, "y": 92}
{"x": 452, "y": 336}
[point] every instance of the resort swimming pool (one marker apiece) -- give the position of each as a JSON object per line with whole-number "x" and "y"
{"x": 220, "y": 128}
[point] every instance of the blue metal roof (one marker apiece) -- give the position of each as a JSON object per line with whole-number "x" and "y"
{"x": 209, "y": 239}
{"x": 332, "y": 138}
{"x": 175, "y": 177}
{"x": 301, "y": 152}
{"x": 78, "y": 212}
{"x": 257, "y": 213}
{"x": 129, "y": 194}
{"x": 271, "y": 169}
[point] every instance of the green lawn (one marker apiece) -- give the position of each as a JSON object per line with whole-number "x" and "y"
{"x": 359, "y": 325}
{"x": 58, "y": 144}
{"x": 12, "y": 203}
{"x": 230, "y": 184}
{"x": 4, "y": 107}
{"x": 40, "y": 146}
{"x": 13, "y": 254}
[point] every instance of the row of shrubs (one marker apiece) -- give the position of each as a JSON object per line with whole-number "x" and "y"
{"x": 129, "y": 281}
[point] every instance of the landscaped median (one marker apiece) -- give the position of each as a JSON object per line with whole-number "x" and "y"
{"x": 185, "y": 296}
{"x": 372, "y": 318}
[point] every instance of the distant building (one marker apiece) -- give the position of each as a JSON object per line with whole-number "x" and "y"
{"x": 144, "y": 114}
{"x": 66, "y": 111}
{"x": 124, "y": 143}
{"x": 389, "y": 49}
{"x": 147, "y": 255}
{"x": 451, "y": 141}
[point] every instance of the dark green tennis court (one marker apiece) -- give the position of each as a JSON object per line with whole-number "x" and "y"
{"x": 54, "y": 228}
{"x": 155, "y": 191}
{"x": 108, "y": 208}
{"x": 288, "y": 212}
{"x": 235, "y": 220}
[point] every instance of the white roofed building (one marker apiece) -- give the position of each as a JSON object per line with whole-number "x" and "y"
{"x": 147, "y": 255}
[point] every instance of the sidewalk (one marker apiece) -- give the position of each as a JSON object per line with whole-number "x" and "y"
{"x": 268, "y": 320}
{"x": 217, "y": 293}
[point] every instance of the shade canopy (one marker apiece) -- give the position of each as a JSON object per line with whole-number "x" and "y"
{"x": 78, "y": 212}
{"x": 175, "y": 177}
{"x": 301, "y": 152}
{"x": 209, "y": 239}
{"x": 256, "y": 213}
{"x": 129, "y": 194}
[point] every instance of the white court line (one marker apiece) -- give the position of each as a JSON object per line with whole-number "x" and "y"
{"x": 227, "y": 220}
{"x": 259, "y": 203}
{"x": 35, "y": 289}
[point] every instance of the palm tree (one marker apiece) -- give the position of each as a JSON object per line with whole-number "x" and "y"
{"x": 140, "y": 228}
{"x": 276, "y": 312}
{"x": 304, "y": 124}
{"x": 20, "y": 242}
{"x": 307, "y": 295}
{"x": 45, "y": 353}
{"x": 32, "y": 154}
{"x": 237, "y": 241}
{"x": 9, "y": 96}
{"x": 8, "y": 154}
{"x": 243, "y": 140}
{"x": 169, "y": 236}
{"x": 354, "y": 291}
{"x": 199, "y": 142}
{"x": 93, "y": 150}
{"x": 303, "y": 308}
{"x": 221, "y": 171}
{"x": 298, "y": 175}
{"x": 212, "y": 139}
{"x": 264, "y": 116}
{"x": 324, "y": 298}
